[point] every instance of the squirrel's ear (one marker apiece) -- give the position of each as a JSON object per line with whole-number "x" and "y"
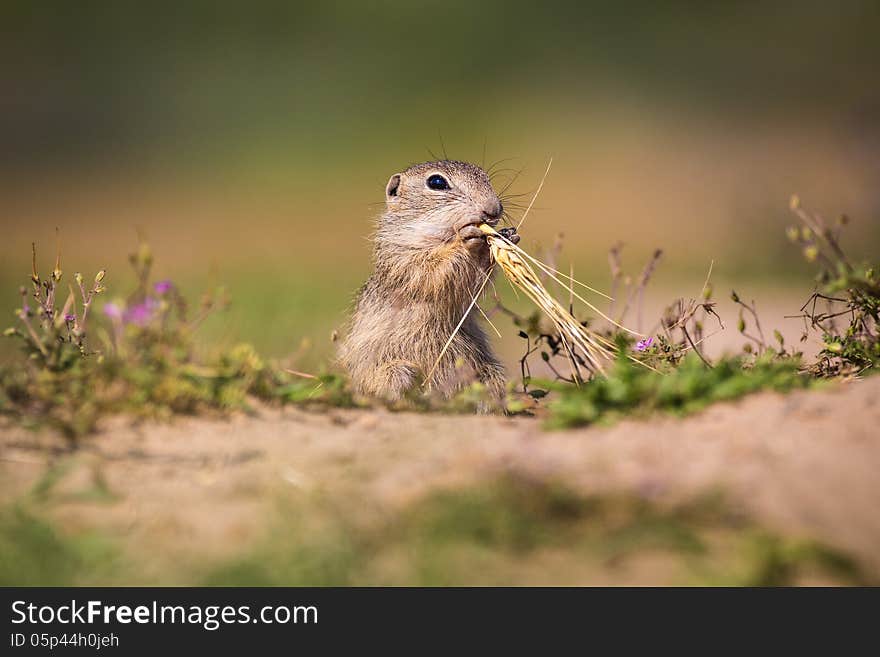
{"x": 392, "y": 186}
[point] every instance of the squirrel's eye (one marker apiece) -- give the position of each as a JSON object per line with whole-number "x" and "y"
{"x": 438, "y": 182}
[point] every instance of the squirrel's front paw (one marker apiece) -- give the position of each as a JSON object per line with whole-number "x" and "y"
{"x": 509, "y": 234}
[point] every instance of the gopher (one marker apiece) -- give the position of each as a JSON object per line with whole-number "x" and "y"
{"x": 430, "y": 258}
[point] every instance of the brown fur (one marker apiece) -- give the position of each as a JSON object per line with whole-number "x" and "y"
{"x": 429, "y": 260}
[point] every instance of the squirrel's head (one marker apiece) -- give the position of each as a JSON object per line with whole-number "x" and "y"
{"x": 427, "y": 202}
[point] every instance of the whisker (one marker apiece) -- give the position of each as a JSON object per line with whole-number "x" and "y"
{"x": 512, "y": 180}
{"x": 496, "y": 163}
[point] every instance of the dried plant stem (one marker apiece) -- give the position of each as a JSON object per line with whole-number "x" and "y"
{"x": 761, "y": 342}
{"x": 537, "y": 192}
{"x": 30, "y": 329}
{"x": 304, "y": 375}
{"x": 575, "y": 338}
{"x": 550, "y": 271}
{"x": 616, "y": 273}
{"x": 816, "y": 224}
{"x": 457, "y": 327}
{"x": 694, "y": 347}
{"x": 87, "y": 304}
{"x": 510, "y": 246}
{"x": 486, "y": 317}
{"x": 638, "y": 292}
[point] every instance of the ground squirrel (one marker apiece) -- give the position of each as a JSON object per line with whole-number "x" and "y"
{"x": 430, "y": 258}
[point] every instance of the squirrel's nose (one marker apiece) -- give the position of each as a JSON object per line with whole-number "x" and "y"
{"x": 492, "y": 212}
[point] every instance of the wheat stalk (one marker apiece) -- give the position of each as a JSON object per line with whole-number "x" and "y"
{"x": 581, "y": 344}
{"x": 576, "y": 338}
{"x": 594, "y": 349}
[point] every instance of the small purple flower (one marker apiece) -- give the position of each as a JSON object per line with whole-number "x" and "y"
{"x": 112, "y": 310}
{"x": 26, "y": 309}
{"x": 163, "y": 287}
{"x": 69, "y": 317}
{"x": 140, "y": 314}
{"x": 644, "y": 345}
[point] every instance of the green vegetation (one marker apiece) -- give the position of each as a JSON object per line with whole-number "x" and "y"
{"x": 849, "y": 292}
{"x": 34, "y": 553}
{"x": 511, "y": 530}
{"x": 672, "y": 374}
{"x": 140, "y": 359}
{"x": 139, "y": 355}
{"x": 251, "y": 145}
{"x": 689, "y": 387}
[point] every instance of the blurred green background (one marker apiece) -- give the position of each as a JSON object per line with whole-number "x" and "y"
{"x": 250, "y": 142}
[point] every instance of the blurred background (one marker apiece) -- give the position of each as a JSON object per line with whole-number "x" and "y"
{"x": 250, "y": 143}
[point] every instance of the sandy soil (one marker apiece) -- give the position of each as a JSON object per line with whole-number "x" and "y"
{"x": 806, "y": 463}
